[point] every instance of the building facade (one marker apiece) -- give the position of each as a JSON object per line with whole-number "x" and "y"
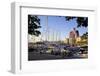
{"x": 73, "y": 37}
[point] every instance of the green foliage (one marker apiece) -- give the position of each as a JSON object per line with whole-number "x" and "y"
{"x": 81, "y": 21}
{"x": 85, "y": 36}
{"x": 33, "y": 25}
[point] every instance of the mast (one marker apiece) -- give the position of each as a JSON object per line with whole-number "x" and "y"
{"x": 46, "y": 30}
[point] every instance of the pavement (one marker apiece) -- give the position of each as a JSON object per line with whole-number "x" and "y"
{"x": 37, "y": 56}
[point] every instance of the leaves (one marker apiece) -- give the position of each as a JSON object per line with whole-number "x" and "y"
{"x": 85, "y": 35}
{"x": 69, "y": 18}
{"x": 81, "y": 21}
{"x": 33, "y": 25}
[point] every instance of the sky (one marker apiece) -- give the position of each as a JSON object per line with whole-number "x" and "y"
{"x": 59, "y": 26}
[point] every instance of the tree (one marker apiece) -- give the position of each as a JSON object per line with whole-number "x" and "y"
{"x": 85, "y": 36}
{"x": 33, "y": 25}
{"x": 81, "y": 21}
